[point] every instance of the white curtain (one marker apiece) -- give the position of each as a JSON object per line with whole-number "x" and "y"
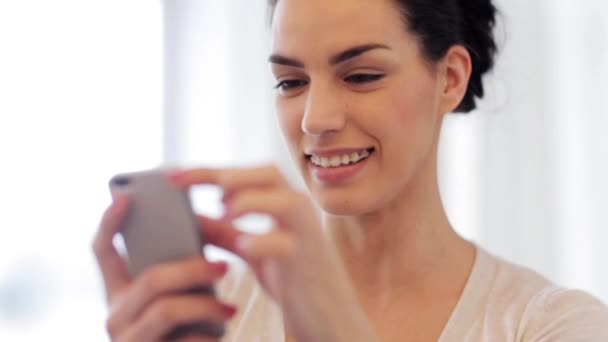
{"x": 524, "y": 176}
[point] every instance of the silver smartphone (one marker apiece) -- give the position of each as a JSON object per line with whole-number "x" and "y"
{"x": 161, "y": 226}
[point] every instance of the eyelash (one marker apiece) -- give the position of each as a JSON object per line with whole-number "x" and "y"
{"x": 281, "y": 85}
{"x": 355, "y": 78}
{"x": 364, "y": 78}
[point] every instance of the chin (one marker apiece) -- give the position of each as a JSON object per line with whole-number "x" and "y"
{"x": 342, "y": 202}
{"x": 352, "y": 199}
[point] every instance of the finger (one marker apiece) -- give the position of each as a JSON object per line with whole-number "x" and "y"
{"x": 275, "y": 244}
{"x": 230, "y": 179}
{"x": 189, "y": 177}
{"x": 167, "y": 313}
{"x": 163, "y": 279}
{"x": 263, "y": 176}
{"x": 284, "y": 206}
{"x": 112, "y": 266}
{"x": 220, "y": 233}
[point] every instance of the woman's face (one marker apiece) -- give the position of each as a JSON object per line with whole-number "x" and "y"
{"x": 352, "y": 81}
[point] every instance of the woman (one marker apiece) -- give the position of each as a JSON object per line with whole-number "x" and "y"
{"x": 362, "y": 89}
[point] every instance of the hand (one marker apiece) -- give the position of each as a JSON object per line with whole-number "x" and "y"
{"x": 294, "y": 261}
{"x": 151, "y": 306}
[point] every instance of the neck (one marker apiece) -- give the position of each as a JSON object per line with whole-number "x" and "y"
{"x": 406, "y": 247}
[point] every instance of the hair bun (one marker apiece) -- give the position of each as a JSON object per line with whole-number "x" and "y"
{"x": 478, "y": 21}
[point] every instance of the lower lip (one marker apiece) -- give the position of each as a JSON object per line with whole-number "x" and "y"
{"x": 337, "y": 174}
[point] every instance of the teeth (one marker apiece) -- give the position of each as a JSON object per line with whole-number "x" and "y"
{"x": 336, "y": 161}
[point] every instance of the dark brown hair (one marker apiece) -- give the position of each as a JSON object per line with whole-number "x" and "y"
{"x": 441, "y": 24}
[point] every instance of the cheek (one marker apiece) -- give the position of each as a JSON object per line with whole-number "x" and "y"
{"x": 289, "y": 116}
{"x": 415, "y": 101}
{"x": 410, "y": 126}
{"x": 408, "y": 117}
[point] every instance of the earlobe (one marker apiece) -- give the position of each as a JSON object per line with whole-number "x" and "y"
{"x": 457, "y": 69}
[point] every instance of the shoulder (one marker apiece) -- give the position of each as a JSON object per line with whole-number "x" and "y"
{"x": 539, "y": 310}
{"x": 566, "y": 315}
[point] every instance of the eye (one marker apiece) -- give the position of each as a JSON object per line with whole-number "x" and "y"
{"x": 363, "y": 78}
{"x": 286, "y": 85}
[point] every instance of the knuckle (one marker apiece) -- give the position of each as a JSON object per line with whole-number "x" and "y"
{"x": 283, "y": 206}
{"x": 114, "y": 322}
{"x": 271, "y": 171}
{"x": 276, "y": 172}
{"x": 99, "y": 242}
{"x": 106, "y": 217}
{"x": 99, "y": 248}
{"x": 201, "y": 276}
{"x": 294, "y": 202}
{"x": 95, "y": 246}
{"x": 112, "y": 326}
{"x": 150, "y": 281}
{"x": 303, "y": 200}
{"x": 300, "y": 196}
{"x": 163, "y": 313}
{"x": 197, "y": 273}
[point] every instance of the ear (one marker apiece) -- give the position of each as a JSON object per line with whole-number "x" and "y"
{"x": 456, "y": 70}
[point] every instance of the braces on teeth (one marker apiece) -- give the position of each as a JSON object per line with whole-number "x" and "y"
{"x": 336, "y": 161}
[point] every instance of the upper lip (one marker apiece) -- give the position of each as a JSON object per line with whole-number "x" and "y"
{"x": 328, "y": 152}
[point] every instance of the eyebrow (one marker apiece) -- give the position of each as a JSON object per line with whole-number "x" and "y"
{"x": 336, "y": 59}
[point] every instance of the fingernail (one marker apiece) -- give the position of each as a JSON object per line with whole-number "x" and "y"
{"x": 229, "y": 310}
{"x": 218, "y": 267}
{"x": 174, "y": 175}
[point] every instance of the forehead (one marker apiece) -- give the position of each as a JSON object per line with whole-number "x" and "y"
{"x": 302, "y": 26}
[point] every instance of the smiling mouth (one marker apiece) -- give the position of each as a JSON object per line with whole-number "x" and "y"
{"x": 339, "y": 160}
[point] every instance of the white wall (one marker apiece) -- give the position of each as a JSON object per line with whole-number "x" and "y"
{"x": 524, "y": 174}
{"x": 80, "y": 100}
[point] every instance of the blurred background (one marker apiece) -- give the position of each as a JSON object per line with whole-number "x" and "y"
{"x": 92, "y": 88}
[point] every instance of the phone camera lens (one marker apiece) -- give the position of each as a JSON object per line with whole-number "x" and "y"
{"x": 121, "y": 181}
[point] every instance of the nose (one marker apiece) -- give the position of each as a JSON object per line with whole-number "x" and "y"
{"x": 323, "y": 112}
